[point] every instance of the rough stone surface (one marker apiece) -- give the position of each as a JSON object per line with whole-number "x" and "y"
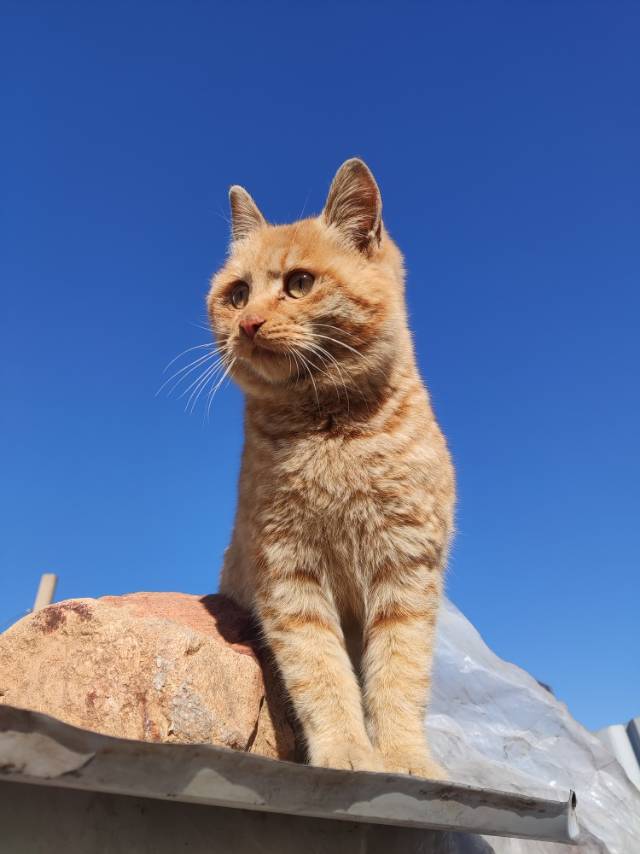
{"x": 167, "y": 667}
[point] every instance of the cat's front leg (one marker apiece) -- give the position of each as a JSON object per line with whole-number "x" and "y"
{"x": 303, "y": 630}
{"x": 399, "y": 638}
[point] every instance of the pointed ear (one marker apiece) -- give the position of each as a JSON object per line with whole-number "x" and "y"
{"x": 354, "y": 205}
{"x": 245, "y": 214}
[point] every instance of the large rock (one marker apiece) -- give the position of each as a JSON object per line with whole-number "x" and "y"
{"x": 153, "y": 666}
{"x": 494, "y": 725}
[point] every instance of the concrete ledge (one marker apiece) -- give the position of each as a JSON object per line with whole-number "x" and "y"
{"x": 40, "y": 751}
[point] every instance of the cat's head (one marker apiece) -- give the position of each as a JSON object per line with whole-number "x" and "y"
{"x": 314, "y": 306}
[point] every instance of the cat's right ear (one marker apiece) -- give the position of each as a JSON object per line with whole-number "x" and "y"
{"x": 245, "y": 213}
{"x": 354, "y": 205}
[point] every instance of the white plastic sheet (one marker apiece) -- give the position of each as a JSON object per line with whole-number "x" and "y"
{"x": 493, "y": 725}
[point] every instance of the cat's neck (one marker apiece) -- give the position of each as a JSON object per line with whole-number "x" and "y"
{"x": 333, "y": 409}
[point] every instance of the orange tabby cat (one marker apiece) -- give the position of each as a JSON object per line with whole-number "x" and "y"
{"x": 347, "y": 489}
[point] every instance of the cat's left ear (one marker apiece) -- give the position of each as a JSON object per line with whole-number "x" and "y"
{"x": 245, "y": 213}
{"x": 354, "y": 205}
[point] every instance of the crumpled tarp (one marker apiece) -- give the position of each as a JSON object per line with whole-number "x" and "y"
{"x": 492, "y": 724}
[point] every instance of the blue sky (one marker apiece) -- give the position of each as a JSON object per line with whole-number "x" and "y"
{"x": 505, "y": 138}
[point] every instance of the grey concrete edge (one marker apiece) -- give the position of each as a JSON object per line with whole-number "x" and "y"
{"x": 35, "y": 748}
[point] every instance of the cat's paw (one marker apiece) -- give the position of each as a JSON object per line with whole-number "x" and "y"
{"x": 400, "y": 762}
{"x": 350, "y": 757}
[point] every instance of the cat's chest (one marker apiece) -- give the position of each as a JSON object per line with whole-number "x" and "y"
{"x": 325, "y": 483}
{"x": 327, "y": 472}
{"x": 335, "y": 486}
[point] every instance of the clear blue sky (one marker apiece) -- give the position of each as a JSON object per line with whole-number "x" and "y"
{"x": 506, "y": 140}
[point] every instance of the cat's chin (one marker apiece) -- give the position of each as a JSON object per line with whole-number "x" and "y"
{"x": 262, "y": 372}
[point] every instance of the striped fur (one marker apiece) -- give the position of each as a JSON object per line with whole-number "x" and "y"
{"x": 346, "y": 491}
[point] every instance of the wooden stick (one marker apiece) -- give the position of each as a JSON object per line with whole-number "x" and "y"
{"x": 46, "y": 589}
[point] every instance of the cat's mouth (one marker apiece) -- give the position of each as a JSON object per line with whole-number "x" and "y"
{"x": 261, "y": 349}
{"x": 264, "y": 359}
{"x": 277, "y": 362}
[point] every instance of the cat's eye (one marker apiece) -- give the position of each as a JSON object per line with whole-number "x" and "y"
{"x": 298, "y": 283}
{"x": 239, "y": 295}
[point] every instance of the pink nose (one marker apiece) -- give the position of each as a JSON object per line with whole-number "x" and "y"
{"x": 250, "y": 325}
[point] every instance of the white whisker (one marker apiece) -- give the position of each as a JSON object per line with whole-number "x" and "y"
{"x": 295, "y": 357}
{"x": 218, "y": 385}
{"x": 305, "y": 364}
{"x": 185, "y": 371}
{"x": 198, "y": 384}
{"x": 336, "y": 328}
{"x": 342, "y": 344}
{"x": 320, "y": 352}
{"x": 188, "y": 350}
